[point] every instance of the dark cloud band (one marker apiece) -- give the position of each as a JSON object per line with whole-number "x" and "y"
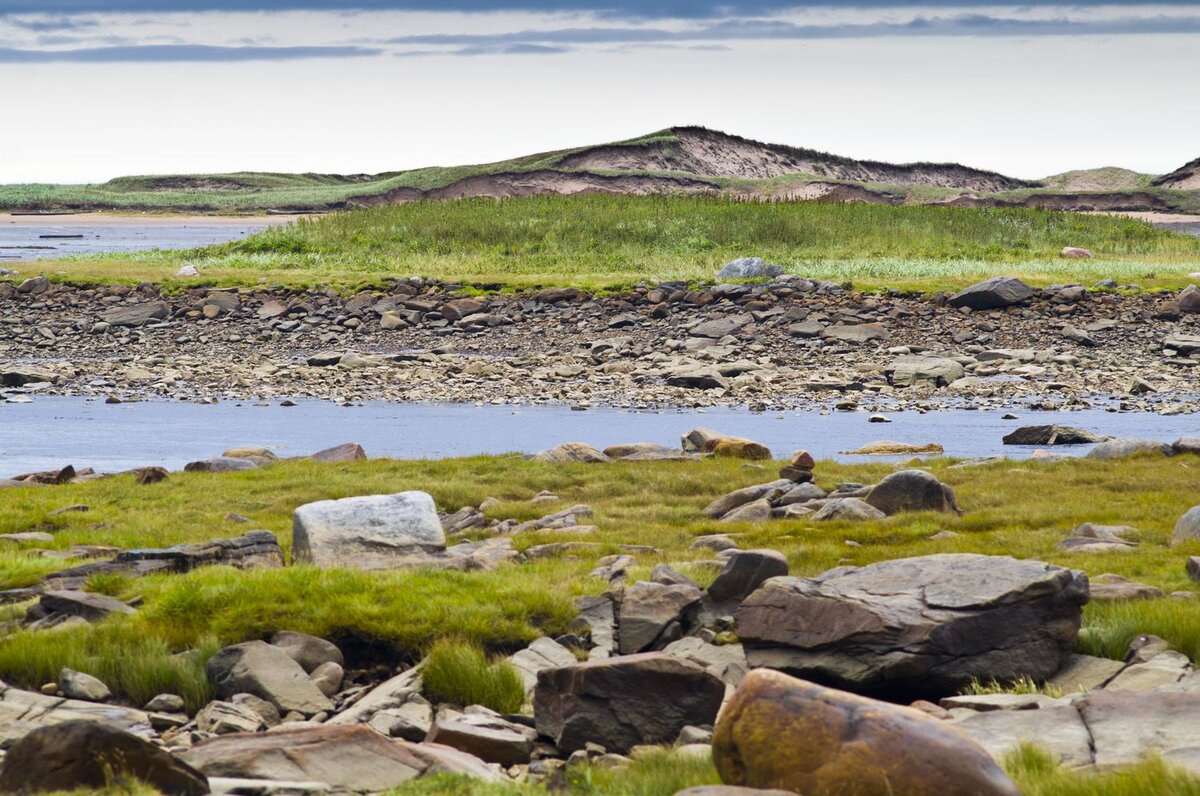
{"x": 178, "y": 53}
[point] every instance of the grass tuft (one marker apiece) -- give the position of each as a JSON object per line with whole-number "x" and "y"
{"x": 461, "y": 673}
{"x": 1037, "y": 773}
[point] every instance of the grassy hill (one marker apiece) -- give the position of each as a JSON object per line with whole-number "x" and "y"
{"x": 678, "y": 160}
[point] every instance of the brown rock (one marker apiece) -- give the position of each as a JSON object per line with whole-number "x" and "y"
{"x": 78, "y": 755}
{"x": 781, "y": 732}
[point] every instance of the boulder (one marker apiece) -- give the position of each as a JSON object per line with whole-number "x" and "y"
{"x": 889, "y": 448}
{"x": 1187, "y": 527}
{"x": 485, "y": 735}
{"x": 856, "y": 333}
{"x": 1092, "y": 538}
{"x": 912, "y": 490}
{"x": 749, "y": 268}
{"x": 624, "y": 702}
{"x": 137, "y": 314}
{"x": 781, "y": 732}
{"x": 1182, "y": 344}
{"x": 572, "y": 452}
{"x": 308, "y": 651}
{"x": 1051, "y": 435}
{"x": 695, "y": 440}
{"x": 369, "y": 532}
{"x": 346, "y": 758}
{"x": 917, "y": 626}
{"x": 268, "y": 672}
{"x": 79, "y": 755}
{"x": 80, "y": 685}
{"x": 738, "y": 448}
{"x": 994, "y": 293}
{"x": 225, "y": 718}
{"x": 907, "y": 371}
{"x": 346, "y": 452}
{"x": 726, "y": 661}
{"x": 1186, "y": 444}
{"x": 720, "y": 327}
{"x": 1120, "y": 448}
{"x": 1189, "y": 299}
{"x": 90, "y": 606}
{"x": 740, "y": 497}
{"x": 1127, "y": 727}
{"x": 220, "y": 464}
{"x": 757, "y": 511}
{"x": 849, "y": 508}
{"x": 744, "y": 572}
{"x": 1075, "y": 253}
{"x": 648, "y": 610}
{"x": 542, "y": 653}
{"x": 1109, "y": 587}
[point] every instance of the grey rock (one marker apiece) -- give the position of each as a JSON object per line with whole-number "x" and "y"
{"x": 1092, "y": 538}
{"x": 597, "y": 619}
{"x": 258, "y": 668}
{"x": 726, "y": 661}
{"x": 1120, "y": 448}
{"x": 1127, "y": 727}
{"x": 912, "y": 490}
{"x": 410, "y": 722}
{"x": 226, "y": 718}
{"x": 744, "y": 572}
{"x": 1084, "y": 673}
{"x": 647, "y": 609}
{"x": 542, "y": 653}
{"x": 166, "y": 703}
{"x": 347, "y": 758}
{"x": 346, "y": 452}
{"x": 1187, "y": 445}
{"x": 801, "y": 493}
{"x": 624, "y": 702}
{"x": 994, "y": 293}
{"x": 92, "y": 607}
{"x": 856, "y": 333}
{"x": 370, "y": 532}
{"x": 1051, "y": 435}
{"x": 1187, "y": 527}
{"x": 308, "y": 651}
{"x": 740, "y": 497}
{"x": 80, "y": 685}
{"x": 137, "y": 314}
{"x": 749, "y": 268}
{"x": 907, "y": 371}
{"x": 917, "y": 626}
{"x": 328, "y": 677}
{"x": 485, "y": 735}
{"x": 849, "y": 508}
{"x": 220, "y": 464}
{"x": 572, "y": 452}
{"x": 1058, "y": 730}
{"x": 1183, "y": 344}
{"x": 755, "y": 511}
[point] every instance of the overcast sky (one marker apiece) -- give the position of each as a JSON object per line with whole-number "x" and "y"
{"x": 93, "y": 89}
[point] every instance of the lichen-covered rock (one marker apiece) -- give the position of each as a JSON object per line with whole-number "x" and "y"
{"x": 917, "y": 626}
{"x": 781, "y": 732}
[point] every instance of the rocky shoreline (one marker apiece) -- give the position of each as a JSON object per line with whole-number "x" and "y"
{"x": 780, "y": 344}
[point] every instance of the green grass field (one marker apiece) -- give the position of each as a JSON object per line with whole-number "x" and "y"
{"x": 610, "y": 241}
{"x": 400, "y": 616}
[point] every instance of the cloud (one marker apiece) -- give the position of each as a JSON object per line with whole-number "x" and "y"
{"x": 163, "y": 53}
{"x": 49, "y": 24}
{"x": 735, "y": 30}
{"x": 633, "y": 9}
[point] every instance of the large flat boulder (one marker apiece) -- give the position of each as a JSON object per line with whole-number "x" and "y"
{"x": 624, "y": 702}
{"x": 921, "y": 626}
{"x": 368, "y": 532}
{"x": 1051, "y": 435}
{"x": 347, "y": 758}
{"x": 781, "y": 732}
{"x": 994, "y": 293}
{"x": 648, "y": 609}
{"x": 907, "y": 371}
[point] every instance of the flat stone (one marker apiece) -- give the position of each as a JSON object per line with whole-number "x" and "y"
{"x": 369, "y": 532}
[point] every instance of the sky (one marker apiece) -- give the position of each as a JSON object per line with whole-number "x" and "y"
{"x": 94, "y": 89}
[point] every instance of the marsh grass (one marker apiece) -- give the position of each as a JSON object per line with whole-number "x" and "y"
{"x": 609, "y": 241}
{"x": 461, "y": 673}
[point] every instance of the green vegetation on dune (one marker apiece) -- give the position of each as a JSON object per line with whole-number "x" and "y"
{"x": 604, "y": 241}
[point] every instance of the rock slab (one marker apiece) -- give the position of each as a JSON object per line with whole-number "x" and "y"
{"x": 368, "y": 532}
